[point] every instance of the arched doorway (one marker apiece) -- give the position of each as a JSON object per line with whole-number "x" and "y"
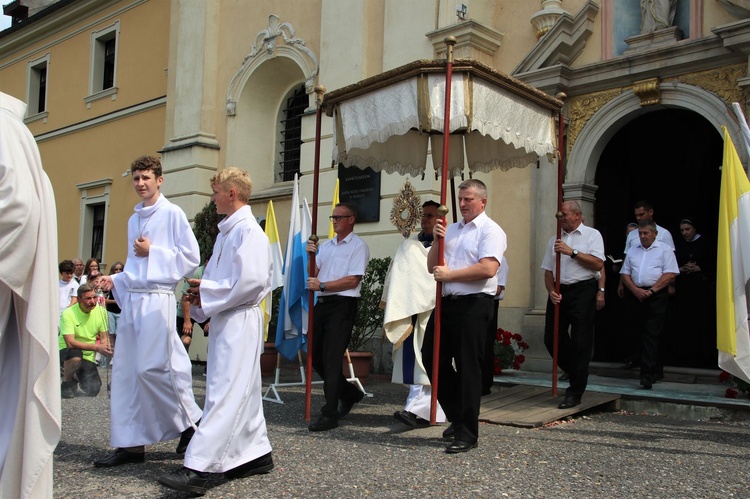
{"x": 672, "y": 158}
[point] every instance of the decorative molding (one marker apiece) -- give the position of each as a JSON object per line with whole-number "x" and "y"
{"x": 473, "y": 41}
{"x": 265, "y": 48}
{"x": 655, "y": 39}
{"x": 563, "y": 42}
{"x": 648, "y": 92}
{"x": 724, "y": 82}
{"x": 581, "y": 108}
{"x": 548, "y": 16}
{"x": 580, "y": 192}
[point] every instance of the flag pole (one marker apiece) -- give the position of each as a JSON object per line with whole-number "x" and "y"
{"x": 559, "y": 216}
{"x": 442, "y": 211}
{"x": 319, "y": 90}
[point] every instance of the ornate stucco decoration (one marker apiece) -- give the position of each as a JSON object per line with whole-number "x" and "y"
{"x": 648, "y": 92}
{"x": 267, "y": 46}
{"x": 581, "y": 108}
{"x": 547, "y": 17}
{"x": 724, "y": 82}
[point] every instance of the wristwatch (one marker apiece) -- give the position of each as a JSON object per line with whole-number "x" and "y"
{"x": 601, "y": 289}
{"x": 322, "y": 286}
{"x": 574, "y": 254}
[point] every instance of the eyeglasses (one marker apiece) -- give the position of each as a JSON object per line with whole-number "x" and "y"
{"x": 339, "y": 217}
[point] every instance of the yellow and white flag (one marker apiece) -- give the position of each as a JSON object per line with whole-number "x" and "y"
{"x": 277, "y": 279}
{"x": 733, "y": 266}
{"x": 336, "y": 201}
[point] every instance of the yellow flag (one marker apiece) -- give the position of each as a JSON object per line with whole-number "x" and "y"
{"x": 336, "y": 201}
{"x": 272, "y": 232}
{"x": 733, "y": 265}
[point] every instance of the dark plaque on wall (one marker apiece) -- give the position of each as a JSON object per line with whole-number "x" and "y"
{"x": 362, "y": 189}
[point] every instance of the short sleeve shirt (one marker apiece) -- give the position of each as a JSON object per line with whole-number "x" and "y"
{"x": 646, "y": 265}
{"x": 83, "y": 327}
{"x": 465, "y": 245}
{"x": 584, "y": 239}
{"x": 341, "y": 259}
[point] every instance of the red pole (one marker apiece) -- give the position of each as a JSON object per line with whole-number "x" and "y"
{"x": 319, "y": 90}
{"x": 558, "y": 215}
{"x": 443, "y": 210}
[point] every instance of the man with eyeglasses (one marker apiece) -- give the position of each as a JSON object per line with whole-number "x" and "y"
{"x": 341, "y": 263}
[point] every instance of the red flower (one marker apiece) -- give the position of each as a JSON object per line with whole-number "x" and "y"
{"x": 723, "y": 376}
{"x": 731, "y": 393}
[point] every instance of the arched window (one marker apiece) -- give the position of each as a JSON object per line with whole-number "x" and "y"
{"x": 290, "y": 133}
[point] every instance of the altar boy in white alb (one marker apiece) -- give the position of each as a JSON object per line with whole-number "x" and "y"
{"x": 232, "y": 437}
{"x": 152, "y": 391}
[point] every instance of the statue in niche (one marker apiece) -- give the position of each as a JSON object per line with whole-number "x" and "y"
{"x": 657, "y": 14}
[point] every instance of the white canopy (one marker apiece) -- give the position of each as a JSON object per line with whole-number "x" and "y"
{"x": 385, "y": 122}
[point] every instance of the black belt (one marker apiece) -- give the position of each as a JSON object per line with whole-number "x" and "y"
{"x": 576, "y": 284}
{"x": 472, "y": 295}
{"x": 332, "y": 298}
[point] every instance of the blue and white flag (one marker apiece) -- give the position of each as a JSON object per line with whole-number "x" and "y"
{"x": 291, "y": 329}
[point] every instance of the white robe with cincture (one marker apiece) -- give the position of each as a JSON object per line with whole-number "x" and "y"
{"x": 237, "y": 278}
{"x": 409, "y": 290}
{"x": 29, "y": 365}
{"x": 152, "y": 390}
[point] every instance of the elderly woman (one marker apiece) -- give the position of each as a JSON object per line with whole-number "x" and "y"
{"x": 696, "y": 298}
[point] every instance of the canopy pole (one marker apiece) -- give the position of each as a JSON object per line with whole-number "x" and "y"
{"x": 559, "y": 216}
{"x": 319, "y": 90}
{"x": 442, "y": 211}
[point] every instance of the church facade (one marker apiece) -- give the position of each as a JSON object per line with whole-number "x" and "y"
{"x": 209, "y": 84}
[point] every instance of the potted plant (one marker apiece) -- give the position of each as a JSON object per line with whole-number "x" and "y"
{"x": 509, "y": 348}
{"x": 369, "y": 317}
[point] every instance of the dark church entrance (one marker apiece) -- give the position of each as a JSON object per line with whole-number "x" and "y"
{"x": 671, "y": 158}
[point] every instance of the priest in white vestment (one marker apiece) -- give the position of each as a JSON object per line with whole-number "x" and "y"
{"x": 232, "y": 437}
{"x": 409, "y": 297}
{"x": 152, "y": 391}
{"x": 29, "y": 362}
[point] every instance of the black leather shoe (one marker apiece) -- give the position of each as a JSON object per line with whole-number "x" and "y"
{"x": 324, "y": 423}
{"x": 257, "y": 466}
{"x": 646, "y": 383}
{"x": 410, "y": 419}
{"x": 564, "y": 377}
{"x": 631, "y": 364}
{"x": 345, "y": 406}
{"x": 187, "y": 435}
{"x": 449, "y": 432}
{"x": 120, "y": 456}
{"x": 460, "y": 446}
{"x": 68, "y": 389}
{"x": 569, "y": 402}
{"x": 186, "y": 480}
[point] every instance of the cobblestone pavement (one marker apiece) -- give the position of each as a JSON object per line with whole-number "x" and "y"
{"x": 371, "y": 454}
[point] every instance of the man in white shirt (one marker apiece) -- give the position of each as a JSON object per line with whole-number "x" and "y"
{"x": 488, "y": 364}
{"x": 582, "y": 250}
{"x": 647, "y": 271}
{"x": 643, "y": 210}
{"x": 341, "y": 263}
{"x": 474, "y": 248}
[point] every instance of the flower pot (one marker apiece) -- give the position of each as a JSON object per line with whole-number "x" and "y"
{"x": 268, "y": 359}
{"x": 361, "y": 362}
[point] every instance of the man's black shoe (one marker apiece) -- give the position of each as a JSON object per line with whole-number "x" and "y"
{"x": 569, "y": 402}
{"x": 68, "y": 389}
{"x": 345, "y": 407}
{"x": 120, "y": 456}
{"x": 410, "y": 419}
{"x": 564, "y": 377}
{"x": 449, "y": 432}
{"x": 460, "y": 446}
{"x": 324, "y": 423}
{"x": 631, "y": 364}
{"x": 185, "y": 438}
{"x": 186, "y": 480}
{"x": 257, "y": 466}
{"x": 646, "y": 383}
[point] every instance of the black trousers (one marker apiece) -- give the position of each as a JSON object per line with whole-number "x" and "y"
{"x": 577, "y": 311}
{"x": 334, "y": 320}
{"x": 648, "y": 317}
{"x": 488, "y": 364}
{"x": 462, "y": 336}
